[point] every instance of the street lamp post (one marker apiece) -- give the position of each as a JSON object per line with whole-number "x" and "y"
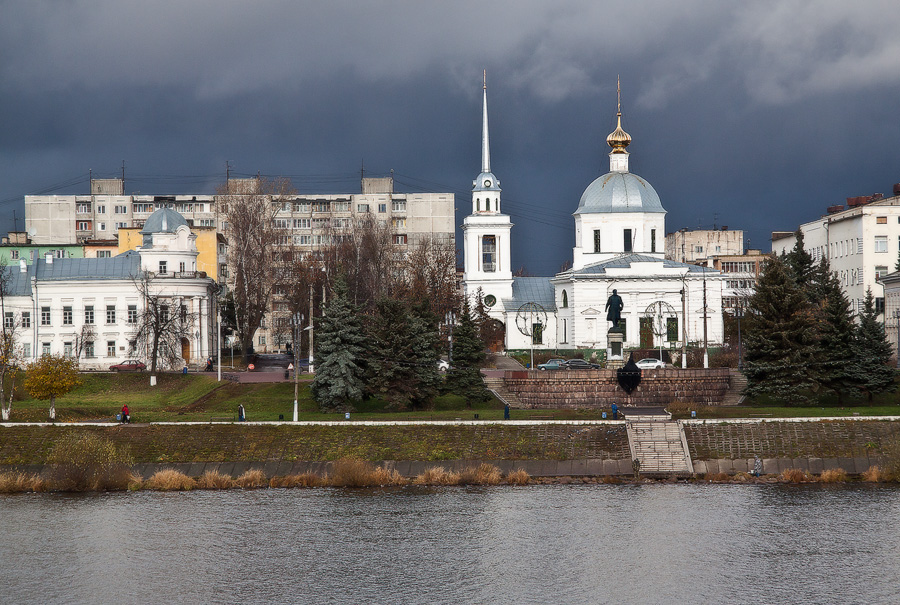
{"x": 897, "y": 317}
{"x": 739, "y": 312}
{"x": 450, "y": 319}
{"x": 298, "y": 320}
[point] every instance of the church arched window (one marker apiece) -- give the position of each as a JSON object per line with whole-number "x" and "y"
{"x": 487, "y": 204}
{"x": 477, "y": 204}
{"x": 565, "y": 299}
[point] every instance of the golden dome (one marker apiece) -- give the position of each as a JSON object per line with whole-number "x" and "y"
{"x": 618, "y": 138}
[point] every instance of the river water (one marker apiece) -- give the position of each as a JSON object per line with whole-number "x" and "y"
{"x": 659, "y": 543}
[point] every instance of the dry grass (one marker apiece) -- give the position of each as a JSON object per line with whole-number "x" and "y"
{"x": 252, "y": 479}
{"x": 518, "y": 477}
{"x": 833, "y": 475}
{"x": 483, "y": 474}
{"x": 16, "y": 482}
{"x": 742, "y": 477}
{"x": 793, "y": 475}
{"x": 437, "y": 475}
{"x": 300, "y": 480}
{"x": 874, "y": 474}
{"x": 214, "y": 480}
{"x": 610, "y": 480}
{"x": 350, "y": 472}
{"x": 170, "y": 480}
{"x": 88, "y": 462}
{"x": 716, "y": 477}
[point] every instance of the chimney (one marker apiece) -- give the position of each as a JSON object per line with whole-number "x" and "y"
{"x": 49, "y": 258}
{"x": 23, "y": 266}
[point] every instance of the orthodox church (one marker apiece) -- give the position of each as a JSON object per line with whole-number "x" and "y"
{"x": 620, "y": 228}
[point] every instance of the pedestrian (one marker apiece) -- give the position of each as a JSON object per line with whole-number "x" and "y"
{"x": 757, "y": 466}
{"x": 241, "y": 416}
{"x": 615, "y": 411}
{"x": 125, "y": 418}
{"x": 506, "y": 412}
{"x": 209, "y": 364}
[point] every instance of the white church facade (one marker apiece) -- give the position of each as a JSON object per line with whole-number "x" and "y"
{"x": 619, "y": 246}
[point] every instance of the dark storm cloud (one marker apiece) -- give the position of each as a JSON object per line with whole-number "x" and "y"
{"x": 754, "y": 116}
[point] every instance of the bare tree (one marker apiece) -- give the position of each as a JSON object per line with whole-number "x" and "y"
{"x": 162, "y": 324}
{"x": 86, "y": 336}
{"x": 254, "y": 238}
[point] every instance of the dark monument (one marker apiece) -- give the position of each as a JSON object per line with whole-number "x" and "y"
{"x": 614, "y": 307}
{"x": 629, "y": 376}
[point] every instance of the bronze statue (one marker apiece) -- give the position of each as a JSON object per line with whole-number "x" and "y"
{"x": 614, "y": 307}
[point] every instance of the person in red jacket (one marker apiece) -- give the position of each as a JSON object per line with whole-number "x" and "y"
{"x": 125, "y": 418}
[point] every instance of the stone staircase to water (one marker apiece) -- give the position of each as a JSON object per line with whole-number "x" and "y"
{"x": 497, "y": 386}
{"x": 660, "y": 446}
{"x": 734, "y": 395}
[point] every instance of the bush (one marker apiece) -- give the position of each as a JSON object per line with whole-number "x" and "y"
{"x": 170, "y": 480}
{"x": 300, "y": 480}
{"x": 484, "y": 474}
{"x": 88, "y": 462}
{"x": 518, "y": 477}
{"x": 214, "y": 480}
{"x": 874, "y": 474}
{"x": 437, "y": 475}
{"x": 350, "y": 472}
{"x": 252, "y": 479}
{"x": 793, "y": 475}
{"x": 16, "y": 482}
{"x": 833, "y": 475}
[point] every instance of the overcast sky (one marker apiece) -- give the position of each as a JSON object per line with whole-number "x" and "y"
{"x": 754, "y": 115}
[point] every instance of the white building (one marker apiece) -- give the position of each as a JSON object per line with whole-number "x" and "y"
{"x": 619, "y": 230}
{"x": 50, "y": 301}
{"x": 861, "y": 244}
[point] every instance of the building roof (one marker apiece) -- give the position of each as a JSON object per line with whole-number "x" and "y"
{"x": 619, "y": 192}
{"x": 123, "y": 266}
{"x": 626, "y": 260}
{"x": 164, "y": 220}
{"x": 532, "y": 289}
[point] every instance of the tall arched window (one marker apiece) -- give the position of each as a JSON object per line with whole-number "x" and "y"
{"x": 487, "y": 204}
{"x": 477, "y": 204}
{"x": 565, "y": 299}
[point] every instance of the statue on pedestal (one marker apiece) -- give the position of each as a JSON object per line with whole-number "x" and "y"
{"x": 614, "y": 306}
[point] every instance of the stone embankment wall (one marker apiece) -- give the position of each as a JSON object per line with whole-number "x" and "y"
{"x": 589, "y": 388}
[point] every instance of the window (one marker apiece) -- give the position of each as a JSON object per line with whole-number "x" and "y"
{"x": 627, "y": 242}
{"x": 83, "y": 226}
{"x": 45, "y": 348}
{"x": 110, "y": 348}
{"x": 879, "y": 305}
{"x": 564, "y": 336}
{"x": 104, "y": 253}
{"x": 163, "y": 266}
{"x": 132, "y": 314}
{"x": 596, "y": 240}
{"x": 89, "y": 314}
{"x": 14, "y": 254}
{"x": 398, "y": 223}
{"x": 537, "y": 333}
{"x": 698, "y": 248}
{"x": 67, "y": 316}
{"x": 9, "y": 320}
{"x": 262, "y": 339}
{"x": 671, "y": 329}
{"x": 880, "y": 243}
{"x": 282, "y": 223}
{"x": 83, "y": 208}
{"x": 341, "y": 206}
{"x": 487, "y": 204}
{"x": 121, "y": 225}
{"x": 26, "y": 319}
{"x": 121, "y": 209}
{"x": 653, "y": 241}
{"x": 881, "y": 220}
{"x": 110, "y": 314}
{"x": 59, "y": 253}
{"x": 400, "y": 239}
{"x": 489, "y": 253}
{"x": 89, "y": 349}
{"x": 398, "y": 206}
{"x": 207, "y": 222}
{"x": 67, "y": 349}
{"x": 45, "y": 316}
{"x": 101, "y": 209}
{"x": 301, "y": 206}
{"x": 565, "y": 299}
{"x": 321, "y": 206}
{"x": 320, "y": 223}
{"x": 26, "y": 349}
{"x": 382, "y": 208}
{"x": 362, "y": 208}
{"x": 164, "y": 313}
{"x": 143, "y": 207}
{"x": 101, "y": 226}
{"x": 301, "y": 223}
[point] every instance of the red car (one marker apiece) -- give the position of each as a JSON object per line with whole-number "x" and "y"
{"x": 129, "y": 365}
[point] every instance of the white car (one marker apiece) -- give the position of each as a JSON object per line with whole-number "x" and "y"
{"x": 651, "y": 364}
{"x": 443, "y": 365}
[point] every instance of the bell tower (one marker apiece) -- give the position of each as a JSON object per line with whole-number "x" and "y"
{"x": 486, "y": 231}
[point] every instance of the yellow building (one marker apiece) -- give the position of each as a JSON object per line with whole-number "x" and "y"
{"x": 208, "y": 247}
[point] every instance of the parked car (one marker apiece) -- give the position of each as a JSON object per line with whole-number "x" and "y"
{"x": 443, "y": 365}
{"x": 651, "y": 364}
{"x": 553, "y": 364}
{"x": 581, "y": 364}
{"x": 129, "y": 365}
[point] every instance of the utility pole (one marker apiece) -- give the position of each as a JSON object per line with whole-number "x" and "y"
{"x": 705, "y": 343}
{"x": 311, "y": 315}
{"x": 298, "y": 320}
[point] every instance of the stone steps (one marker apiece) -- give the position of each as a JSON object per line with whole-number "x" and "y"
{"x": 734, "y": 395}
{"x": 660, "y": 446}
{"x": 497, "y": 386}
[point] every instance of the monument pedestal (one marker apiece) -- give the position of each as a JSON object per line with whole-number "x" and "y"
{"x": 615, "y": 353}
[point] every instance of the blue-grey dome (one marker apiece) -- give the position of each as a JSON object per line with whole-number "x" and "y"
{"x": 163, "y": 220}
{"x": 486, "y": 181}
{"x": 619, "y": 192}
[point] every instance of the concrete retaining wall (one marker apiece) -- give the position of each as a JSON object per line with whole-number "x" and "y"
{"x": 600, "y": 388}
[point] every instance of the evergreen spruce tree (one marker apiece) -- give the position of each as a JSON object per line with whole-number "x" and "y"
{"x": 340, "y": 353}
{"x": 464, "y": 377}
{"x": 836, "y": 332}
{"x": 871, "y": 371}
{"x": 897, "y": 264}
{"x": 403, "y": 358}
{"x": 801, "y": 266}
{"x": 781, "y": 354}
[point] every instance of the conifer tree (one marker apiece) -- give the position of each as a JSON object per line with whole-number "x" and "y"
{"x": 403, "y": 359}
{"x": 782, "y": 354}
{"x": 871, "y": 371}
{"x": 340, "y": 353}
{"x": 836, "y": 332}
{"x": 800, "y": 265}
{"x": 468, "y": 355}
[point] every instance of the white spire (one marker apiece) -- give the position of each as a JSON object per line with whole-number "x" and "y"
{"x": 485, "y": 143}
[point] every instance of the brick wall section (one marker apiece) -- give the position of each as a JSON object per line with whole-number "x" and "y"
{"x": 600, "y": 388}
{"x": 789, "y": 440}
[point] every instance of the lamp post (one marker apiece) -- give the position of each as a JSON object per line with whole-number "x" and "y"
{"x": 739, "y": 312}
{"x": 298, "y": 320}
{"x": 450, "y": 320}
{"x": 897, "y": 317}
{"x": 219, "y": 346}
